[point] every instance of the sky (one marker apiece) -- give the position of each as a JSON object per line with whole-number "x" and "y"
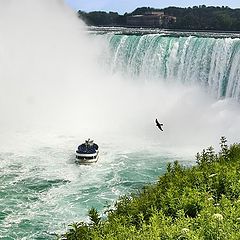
{"x": 122, "y": 6}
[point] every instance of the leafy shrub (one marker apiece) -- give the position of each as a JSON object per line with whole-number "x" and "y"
{"x": 201, "y": 202}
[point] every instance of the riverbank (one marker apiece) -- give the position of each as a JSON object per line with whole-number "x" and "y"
{"x": 201, "y": 202}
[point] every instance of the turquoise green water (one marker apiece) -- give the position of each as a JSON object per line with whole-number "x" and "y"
{"x": 60, "y": 86}
{"x": 42, "y": 190}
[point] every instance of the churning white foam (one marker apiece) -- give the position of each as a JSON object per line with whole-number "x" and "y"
{"x": 52, "y": 81}
{"x": 55, "y": 92}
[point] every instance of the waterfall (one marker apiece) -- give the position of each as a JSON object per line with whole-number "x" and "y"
{"x": 54, "y": 94}
{"x": 212, "y": 63}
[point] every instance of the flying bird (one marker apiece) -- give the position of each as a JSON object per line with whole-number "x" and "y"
{"x": 159, "y": 125}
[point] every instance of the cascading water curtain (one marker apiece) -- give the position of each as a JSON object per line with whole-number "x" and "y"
{"x": 212, "y": 63}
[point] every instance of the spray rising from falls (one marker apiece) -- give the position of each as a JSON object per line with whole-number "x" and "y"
{"x": 51, "y": 79}
{"x": 54, "y": 94}
{"x": 209, "y": 62}
{"x": 49, "y": 75}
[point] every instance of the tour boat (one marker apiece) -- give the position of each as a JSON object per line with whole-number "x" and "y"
{"x": 87, "y": 152}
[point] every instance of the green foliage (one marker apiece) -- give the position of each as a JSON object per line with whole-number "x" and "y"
{"x": 101, "y": 18}
{"x": 94, "y": 216}
{"x": 77, "y": 231}
{"x": 201, "y": 202}
{"x": 195, "y": 18}
{"x": 224, "y": 153}
{"x": 205, "y": 18}
{"x": 143, "y": 10}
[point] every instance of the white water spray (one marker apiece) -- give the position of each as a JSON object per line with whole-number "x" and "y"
{"x": 49, "y": 72}
{"x": 55, "y": 92}
{"x": 51, "y": 81}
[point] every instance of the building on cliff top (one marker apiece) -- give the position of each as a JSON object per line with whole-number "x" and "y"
{"x": 151, "y": 19}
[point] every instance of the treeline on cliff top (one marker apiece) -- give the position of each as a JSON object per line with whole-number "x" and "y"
{"x": 195, "y": 18}
{"x": 197, "y": 203}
